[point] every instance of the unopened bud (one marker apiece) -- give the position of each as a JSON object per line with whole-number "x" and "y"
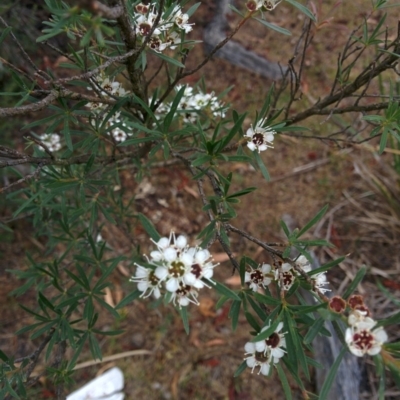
{"x": 337, "y": 304}
{"x": 355, "y": 300}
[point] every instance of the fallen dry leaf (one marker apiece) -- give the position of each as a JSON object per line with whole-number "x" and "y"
{"x": 233, "y": 280}
{"x": 108, "y": 297}
{"x": 206, "y": 307}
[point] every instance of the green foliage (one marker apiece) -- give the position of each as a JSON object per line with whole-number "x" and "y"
{"x": 78, "y": 185}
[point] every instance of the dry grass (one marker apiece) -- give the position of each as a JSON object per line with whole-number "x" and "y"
{"x": 363, "y": 221}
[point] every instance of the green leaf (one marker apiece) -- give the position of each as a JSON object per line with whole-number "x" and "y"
{"x": 128, "y": 299}
{"x": 357, "y": 279}
{"x": 312, "y": 222}
{"x": 168, "y": 59}
{"x": 234, "y": 313}
{"x": 274, "y": 27}
{"x": 314, "y": 330}
{"x": 185, "y": 319}
{"x": 4, "y": 34}
{"x": 221, "y": 289}
{"x": 259, "y": 311}
{"x": 284, "y": 381}
{"x": 265, "y": 299}
{"x": 252, "y": 321}
{"x": 393, "y": 320}
{"x": 331, "y": 376}
{"x": 303, "y": 9}
{"x": 3, "y": 357}
{"x": 263, "y": 335}
{"x": 241, "y": 368}
{"x": 262, "y": 167}
{"x": 95, "y": 348}
{"x": 326, "y": 266}
{"x": 149, "y": 227}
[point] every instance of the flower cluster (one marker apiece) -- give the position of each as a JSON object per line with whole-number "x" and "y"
{"x": 109, "y": 89}
{"x": 260, "y": 138}
{"x": 192, "y": 103}
{"x": 266, "y": 352}
{"x": 167, "y": 33}
{"x": 179, "y": 269}
{"x": 361, "y": 336}
{"x": 51, "y": 140}
{"x": 284, "y": 275}
{"x": 264, "y": 5}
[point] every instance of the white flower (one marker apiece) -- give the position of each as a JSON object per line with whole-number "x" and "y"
{"x": 253, "y": 5}
{"x": 258, "y": 277}
{"x": 357, "y": 316}
{"x": 119, "y": 133}
{"x": 142, "y": 8}
{"x": 52, "y": 141}
{"x": 179, "y": 268}
{"x": 144, "y": 24}
{"x": 202, "y": 266}
{"x": 363, "y": 339}
{"x": 270, "y": 4}
{"x": 320, "y": 282}
{"x": 173, "y": 39}
{"x": 260, "y": 138}
{"x": 185, "y": 294}
{"x": 273, "y": 344}
{"x": 257, "y": 359}
{"x": 181, "y": 20}
{"x": 303, "y": 263}
{"x": 285, "y": 274}
{"x": 109, "y": 86}
{"x": 146, "y": 280}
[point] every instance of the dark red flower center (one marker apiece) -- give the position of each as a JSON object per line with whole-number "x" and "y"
{"x": 274, "y": 340}
{"x": 287, "y": 278}
{"x": 257, "y": 276}
{"x": 364, "y": 340}
{"x": 258, "y": 139}
{"x": 176, "y": 269}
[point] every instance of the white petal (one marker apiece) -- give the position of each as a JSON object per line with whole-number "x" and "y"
{"x": 249, "y": 347}
{"x": 187, "y": 259}
{"x": 251, "y": 146}
{"x": 161, "y": 273}
{"x": 189, "y": 278}
{"x": 143, "y": 286}
{"x": 374, "y": 350}
{"x": 265, "y": 367}
{"x": 181, "y": 241}
{"x": 208, "y": 273}
{"x": 141, "y": 272}
{"x": 278, "y": 352}
{"x": 201, "y": 256}
{"x": 260, "y": 346}
{"x": 247, "y": 277}
{"x": 380, "y": 335}
{"x": 266, "y": 268}
{"x": 183, "y": 301}
{"x": 263, "y": 147}
{"x": 163, "y": 243}
{"x": 156, "y": 255}
{"x": 251, "y": 362}
{"x": 172, "y": 285}
{"x": 170, "y": 254}
{"x": 279, "y": 327}
{"x": 269, "y": 137}
{"x": 349, "y": 336}
{"x": 356, "y": 351}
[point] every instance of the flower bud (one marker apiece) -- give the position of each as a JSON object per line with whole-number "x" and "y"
{"x": 337, "y": 304}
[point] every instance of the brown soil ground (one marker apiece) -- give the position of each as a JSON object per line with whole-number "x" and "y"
{"x": 363, "y": 222}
